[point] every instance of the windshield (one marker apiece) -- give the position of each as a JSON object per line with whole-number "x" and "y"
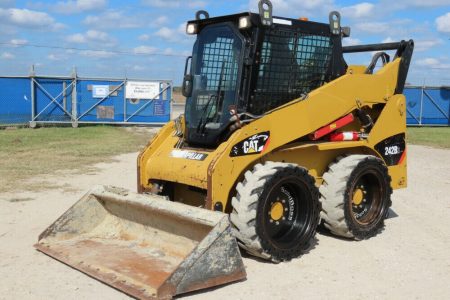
{"x": 215, "y": 69}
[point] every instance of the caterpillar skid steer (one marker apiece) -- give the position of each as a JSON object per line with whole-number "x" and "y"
{"x": 279, "y": 134}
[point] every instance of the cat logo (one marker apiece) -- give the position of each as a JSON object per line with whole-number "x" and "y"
{"x": 252, "y": 145}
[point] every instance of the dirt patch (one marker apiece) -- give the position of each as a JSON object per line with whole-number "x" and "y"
{"x": 409, "y": 259}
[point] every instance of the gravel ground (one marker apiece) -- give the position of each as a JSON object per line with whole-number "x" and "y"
{"x": 409, "y": 259}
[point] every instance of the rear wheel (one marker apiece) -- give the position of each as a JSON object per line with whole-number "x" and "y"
{"x": 276, "y": 211}
{"x": 356, "y": 196}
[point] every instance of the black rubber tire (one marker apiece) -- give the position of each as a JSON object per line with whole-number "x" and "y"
{"x": 339, "y": 213}
{"x": 288, "y": 236}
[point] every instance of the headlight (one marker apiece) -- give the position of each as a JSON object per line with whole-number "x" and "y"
{"x": 244, "y": 23}
{"x": 191, "y": 28}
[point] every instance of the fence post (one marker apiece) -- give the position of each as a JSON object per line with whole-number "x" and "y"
{"x": 64, "y": 86}
{"x": 33, "y": 97}
{"x": 421, "y": 104}
{"x": 125, "y": 99}
{"x": 74, "y": 98}
{"x": 171, "y": 100}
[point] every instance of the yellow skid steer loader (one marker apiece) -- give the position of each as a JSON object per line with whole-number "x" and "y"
{"x": 279, "y": 134}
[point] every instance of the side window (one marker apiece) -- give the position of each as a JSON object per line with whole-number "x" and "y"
{"x": 291, "y": 64}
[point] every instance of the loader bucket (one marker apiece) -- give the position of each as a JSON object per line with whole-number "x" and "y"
{"x": 145, "y": 246}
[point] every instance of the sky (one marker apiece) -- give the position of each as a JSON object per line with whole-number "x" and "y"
{"x": 146, "y": 38}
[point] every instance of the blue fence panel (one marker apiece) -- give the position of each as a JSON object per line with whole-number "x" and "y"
{"x": 437, "y": 110}
{"x": 428, "y": 106}
{"x": 102, "y": 108}
{"x": 413, "y": 97}
{"x": 157, "y": 109}
{"x": 53, "y": 99}
{"x": 15, "y": 101}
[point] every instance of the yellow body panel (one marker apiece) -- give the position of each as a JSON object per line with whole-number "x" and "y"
{"x": 219, "y": 173}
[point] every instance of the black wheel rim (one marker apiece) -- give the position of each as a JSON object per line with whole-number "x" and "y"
{"x": 366, "y": 198}
{"x": 286, "y": 228}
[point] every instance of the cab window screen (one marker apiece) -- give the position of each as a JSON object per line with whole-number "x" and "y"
{"x": 292, "y": 64}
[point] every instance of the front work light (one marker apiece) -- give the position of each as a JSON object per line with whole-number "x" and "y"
{"x": 244, "y": 22}
{"x": 191, "y": 28}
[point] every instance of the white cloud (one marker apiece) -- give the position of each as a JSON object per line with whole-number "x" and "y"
{"x": 172, "y": 34}
{"x": 77, "y": 38}
{"x": 149, "y": 50}
{"x": 97, "y": 54}
{"x": 351, "y": 41}
{"x": 373, "y": 27}
{"x": 77, "y": 6}
{"x": 423, "y": 45}
{"x": 401, "y": 4}
{"x": 419, "y": 44}
{"x": 428, "y": 3}
{"x": 138, "y": 68}
{"x": 389, "y": 40}
{"x": 295, "y": 8}
{"x": 172, "y": 52}
{"x": 18, "y": 42}
{"x": 166, "y": 33}
{"x": 401, "y": 28}
{"x": 433, "y": 63}
{"x": 28, "y": 18}
{"x": 7, "y": 55}
{"x": 161, "y": 20}
{"x": 175, "y": 3}
{"x": 113, "y": 19}
{"x": 93, "y": 36}
{"x": 443, "y": 23}
{"x": 56, "y": 57}
{"x": 145, "y": 50}
{"x": 361, "y": 10}
{"x": 144, "y": 37}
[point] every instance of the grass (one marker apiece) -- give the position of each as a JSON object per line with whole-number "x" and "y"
{"x": 430, "y": 136}
{"x": 27, "y": 153}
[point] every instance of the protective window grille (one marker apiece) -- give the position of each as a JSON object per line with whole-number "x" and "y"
{"x": 292, "y": 64}
{"x": 218, "y": 60}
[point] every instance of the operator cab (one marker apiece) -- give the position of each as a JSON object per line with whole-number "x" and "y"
{"x": 245, "y": 65}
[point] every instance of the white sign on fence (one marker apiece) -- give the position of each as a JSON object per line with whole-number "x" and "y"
{"x": 100, "y": 91}
{"x": 142, "y": 89}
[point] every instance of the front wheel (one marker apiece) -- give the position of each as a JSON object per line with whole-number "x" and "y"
{"x": 276, "y": 211}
